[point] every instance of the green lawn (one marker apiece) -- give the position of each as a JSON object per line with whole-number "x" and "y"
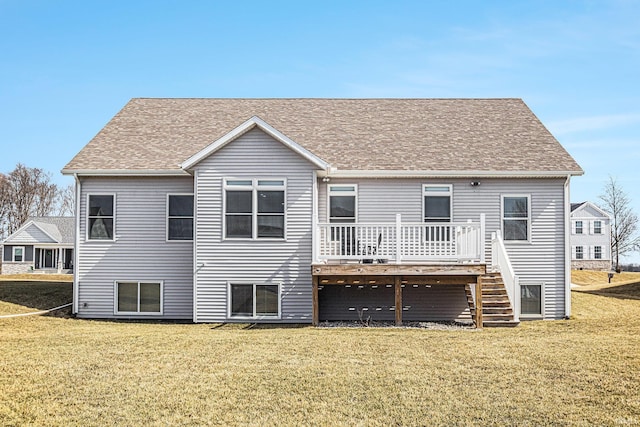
{"x": 63, "y": 371}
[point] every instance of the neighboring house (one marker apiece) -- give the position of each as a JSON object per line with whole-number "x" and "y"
{"x": 590, "y": 237}
{"x": 305, "y": 210}
{"x": 40, "y": 245}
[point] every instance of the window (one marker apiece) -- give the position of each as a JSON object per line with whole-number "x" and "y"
{"x": 597, "y": 227}
{"x": 100, "y": 217}
{"x": 597, "y": 252}
{"x": 180, "y": 217}
{"x": 515, "y": 218}
{"x": 18, "y": 254}
{"x": 342, "y": 203}
{"x": 437, "y": 203}
{"x": 255, "y": 209}
{"x": 578, "y": 227}
{"x": 138, "y": 298}
{"x": 579, "y": 252}
{"x": 254, "y": 300}
{"x": 531, "y": 298}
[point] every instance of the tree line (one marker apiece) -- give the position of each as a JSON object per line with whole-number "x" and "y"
{"x": 27, "y": 192}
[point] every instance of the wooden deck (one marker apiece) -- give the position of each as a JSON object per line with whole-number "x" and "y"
{"x": 401, "y": 275}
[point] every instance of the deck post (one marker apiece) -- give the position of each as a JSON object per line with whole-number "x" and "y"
{"x": 398, "y": 237}
{"x": 483, "y": 221}
{"x": 315, "y": 316}
{"x": 478, "y": 318}
{"x": 398, "y": 293}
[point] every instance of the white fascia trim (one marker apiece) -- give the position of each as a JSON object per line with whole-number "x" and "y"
{"x": 335, "y": 173}
{"x": 124, "y": 172}
{"x": 244, "y": 128}
{"x": 24, "y": 227}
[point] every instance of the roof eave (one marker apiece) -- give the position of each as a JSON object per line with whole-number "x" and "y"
{"x": 336, "y": 173}
{"x": 125, "y": 172}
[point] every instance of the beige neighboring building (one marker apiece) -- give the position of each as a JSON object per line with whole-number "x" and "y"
{"x": 590, "y": 237}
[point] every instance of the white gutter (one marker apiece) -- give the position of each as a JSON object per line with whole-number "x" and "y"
{"x": 125, "y": 172}
{"x": 76, "y": 254}
{"x": 335, "y": 173}
{"x": 567, "y": 249}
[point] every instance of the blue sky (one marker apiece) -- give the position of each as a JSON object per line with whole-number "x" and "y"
{"x": 67, "y": 67}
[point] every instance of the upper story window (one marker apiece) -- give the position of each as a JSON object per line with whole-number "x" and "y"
{"x": 597, "y": 227}
{"x": 342, "y": 203}
{"x": 180, "y": 217}
{"x": 437, "y": 203}
{"x": 578, "y": 227}
{"x": 255, "y": 208}
{"x": 18, "y": 254}
{"x": 100, "y": 217}
{"x": 516, "y": 217}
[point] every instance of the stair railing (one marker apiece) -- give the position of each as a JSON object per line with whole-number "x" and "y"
{"x": 500, "y": 259}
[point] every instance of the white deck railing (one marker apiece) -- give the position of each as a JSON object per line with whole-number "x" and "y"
{"x": 397, "y": 242}
{"x": 500, "y": 260}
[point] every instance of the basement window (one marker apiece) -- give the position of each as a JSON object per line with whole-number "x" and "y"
{"x": 138, "y": 298}
{"x": 531, "y": 300}
{"x": 254, "y": 301}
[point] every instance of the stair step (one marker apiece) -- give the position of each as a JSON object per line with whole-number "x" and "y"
{"x": 500, "y": 323}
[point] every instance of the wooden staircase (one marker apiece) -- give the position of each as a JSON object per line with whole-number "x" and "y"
{"x": 496, "y": 307}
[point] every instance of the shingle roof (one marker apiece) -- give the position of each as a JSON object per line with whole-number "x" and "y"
{"x": 575, "y": 206}
{"x": 350, "y": 134}
{"x": 61, "y": 228}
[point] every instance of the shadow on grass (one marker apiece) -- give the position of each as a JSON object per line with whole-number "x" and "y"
{"x": 628, "y": 291}
{"x": 37, "y": 295}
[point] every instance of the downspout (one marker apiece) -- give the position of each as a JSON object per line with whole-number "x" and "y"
{"x": 195, "y": 247}
{"x": 76, "y": 246}
{"x": 314, "y": 219}
{"x": 567, "y": 249}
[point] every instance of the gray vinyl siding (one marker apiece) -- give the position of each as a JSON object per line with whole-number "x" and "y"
{"x": 8, "y": 252}
{"x": 221, "y": 261}
{"x": 140, "y": 252}
{"x": 539, "y": 261}
{"x": 31, "y": 235}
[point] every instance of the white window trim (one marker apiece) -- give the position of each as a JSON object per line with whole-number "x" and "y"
{"x": 353, "y": 193}
{"x": 542, "y": 296}
{"x": 167, "y": 217}
{"x": 239, "y": 282}
{"x": 581, "y": 226}
{"x": 601, "y": 252}
{"x": 437, "y": 193}
{"x": 138, "y": 313}
{"x": 601, "y": 227}
{"x": 581, "y": 252}
{"x": 528, "y": 218}
{"x": 254, "y": 188}
{"x": 86, "y": 224}
{"x": 13, "y": 254}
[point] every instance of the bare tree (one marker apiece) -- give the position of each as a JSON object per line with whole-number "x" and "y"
{"x": 25, "y": 192}
{"x": 66, "y": 201}
{"x": 624, "y": 221}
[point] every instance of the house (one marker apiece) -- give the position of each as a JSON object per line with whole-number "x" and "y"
{"x": 305, "y": 210}
{"x": 590, "y": 237}
{"x": 40, "y": 245}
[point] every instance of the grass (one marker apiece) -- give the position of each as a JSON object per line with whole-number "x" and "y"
{"x": 584, "y": 371}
